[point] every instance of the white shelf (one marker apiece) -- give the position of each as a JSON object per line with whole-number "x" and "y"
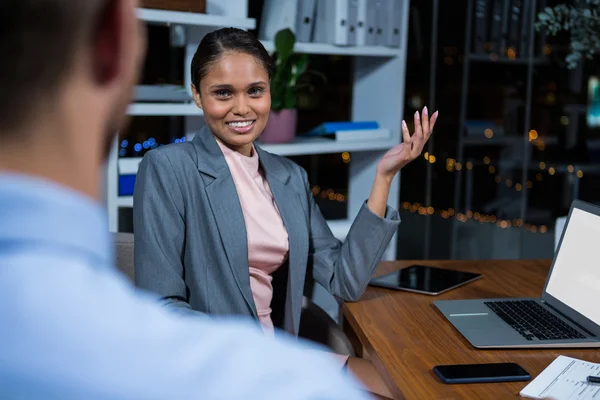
{"x": 129, "y": 165}
{"x": 163, "y": 109}
{"x": 325, "y": 48}
{"x": 125, "y": 201}
{"x": 187, "y": 18}
{"x": 302, "y": 146}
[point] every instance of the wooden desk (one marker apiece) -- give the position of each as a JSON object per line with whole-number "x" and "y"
{"x": 406, "y": 336}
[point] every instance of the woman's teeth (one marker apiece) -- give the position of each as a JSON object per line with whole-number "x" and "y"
{"x": 240, "y": 124}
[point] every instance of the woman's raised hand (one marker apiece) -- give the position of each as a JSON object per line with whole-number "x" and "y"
{"x": 411, "y": 146}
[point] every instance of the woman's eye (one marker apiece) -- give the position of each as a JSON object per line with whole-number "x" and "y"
{"x": 222, "y": 93}
{"x": 255, "y": 91}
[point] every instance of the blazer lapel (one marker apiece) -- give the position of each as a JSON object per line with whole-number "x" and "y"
{"x": 295, "y": 219}
{"x": 225, "y": 205}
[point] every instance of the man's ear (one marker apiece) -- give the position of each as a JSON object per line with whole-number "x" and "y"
{"x": 197, "y": 97}
{"x": 107, "y": 45}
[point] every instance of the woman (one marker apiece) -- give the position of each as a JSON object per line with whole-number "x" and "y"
{"x": 224, "y": 228}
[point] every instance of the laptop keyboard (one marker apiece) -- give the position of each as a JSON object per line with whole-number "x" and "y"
{"x": 532, "y": 320}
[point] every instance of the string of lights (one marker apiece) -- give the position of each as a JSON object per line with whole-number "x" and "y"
{"x": 540, "y": 169}
{"x": 451, "y": 166}
{"x": 149, "y": 144}
{"x": 475, "y": 216}
{"x": 328, "y": 194}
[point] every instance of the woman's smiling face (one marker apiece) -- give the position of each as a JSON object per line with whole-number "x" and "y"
{"x": 236, "y": 100}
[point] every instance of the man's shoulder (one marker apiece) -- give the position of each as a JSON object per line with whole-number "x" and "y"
{"x": 84, "y": 329}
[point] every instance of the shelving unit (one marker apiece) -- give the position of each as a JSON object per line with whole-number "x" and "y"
{"x": 165, "y": 17}
{"x": 377, "y": 70}
{"x": 464, "y": 141}
{"x": 164, "y": 109}
{"x": 324, "y": 48}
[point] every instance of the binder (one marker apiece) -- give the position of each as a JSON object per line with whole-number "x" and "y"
{"x": 331, "y": 23}
{"x": 278, "y": 15}
{"x": 371, "y": 20}
{"x": 480, "y": 37}
{"x": 504, "y": 32}
{"x": 393, "y": 14}
{"x": 381, "y": 21}
{"x": 357, "y": 135}
{"x": 525, "y": 25}
{"x": 306, "y": 21}
{"x": 352, "y": 22}
{"x": 361, "y": 22}
{"x": 496, "y": 26}
{"x": 338, "y": 126}
{"x": 514, "y": 24}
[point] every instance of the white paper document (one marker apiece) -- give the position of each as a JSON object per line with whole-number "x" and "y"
{"x": 565, "y": 379}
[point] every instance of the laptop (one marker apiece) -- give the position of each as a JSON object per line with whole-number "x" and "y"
{"x": 568, "y": 312}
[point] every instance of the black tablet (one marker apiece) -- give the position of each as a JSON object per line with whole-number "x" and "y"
{"x": 424, "y": 279}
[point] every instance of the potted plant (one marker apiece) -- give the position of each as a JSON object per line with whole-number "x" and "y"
{"x": 581, "y": 19}
{"x": 287, "y": 69}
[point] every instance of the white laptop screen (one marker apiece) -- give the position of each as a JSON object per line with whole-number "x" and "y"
{"x": 575, "y": 279}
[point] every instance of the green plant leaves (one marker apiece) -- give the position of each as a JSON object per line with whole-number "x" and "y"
{"x": 579, "y": 18}
{"x": 284, "y": 44}
{"x": 288, "y": 70}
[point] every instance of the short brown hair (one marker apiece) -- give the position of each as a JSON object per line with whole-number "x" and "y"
{"x": 38, "y": 43}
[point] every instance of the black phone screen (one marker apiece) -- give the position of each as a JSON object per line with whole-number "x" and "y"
{"x": 481, "y": 371}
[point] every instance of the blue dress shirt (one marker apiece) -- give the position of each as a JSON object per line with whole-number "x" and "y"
{"x": 73, "y": 327}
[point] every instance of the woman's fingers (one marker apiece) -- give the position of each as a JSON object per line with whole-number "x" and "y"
{"x": 405, "y": 133}
{"x": 417, "y": 139}
{"x": 418, "y": 127}
{"x": 423, "y": 129}
{"x": 425, "y": 121}
{"x": 434, "y": 117}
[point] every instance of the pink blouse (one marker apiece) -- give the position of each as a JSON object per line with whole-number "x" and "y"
{"x": 267, "y": 236}
{"x": 268, "y": 244}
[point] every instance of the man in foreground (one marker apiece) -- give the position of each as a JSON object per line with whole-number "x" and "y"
{"x": 72, "y": 326}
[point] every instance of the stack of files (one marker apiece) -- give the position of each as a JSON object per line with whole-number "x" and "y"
{"x": 337, "y": 22}
{"x": 359, "y": 22}
{"x": 350, "y": 131}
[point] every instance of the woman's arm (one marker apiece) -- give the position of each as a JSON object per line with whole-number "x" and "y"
{"x": 345, "y": 269}
{"x": 159, "y": 231}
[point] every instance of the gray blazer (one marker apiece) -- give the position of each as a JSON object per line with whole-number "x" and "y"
{"x": 191, "y": 245}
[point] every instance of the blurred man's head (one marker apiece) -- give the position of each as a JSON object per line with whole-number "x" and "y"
{"x": 66, "y": 76}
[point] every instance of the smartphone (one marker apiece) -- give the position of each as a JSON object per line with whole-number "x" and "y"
{"x": 481, "y": 373}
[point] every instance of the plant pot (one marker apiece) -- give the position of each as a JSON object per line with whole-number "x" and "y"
{"x": 280, "y": 127}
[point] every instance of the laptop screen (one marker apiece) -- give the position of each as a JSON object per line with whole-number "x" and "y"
{"x": 575, "y": 279}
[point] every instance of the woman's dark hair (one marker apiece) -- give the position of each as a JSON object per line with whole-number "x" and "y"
{"x": 215, "y": 43}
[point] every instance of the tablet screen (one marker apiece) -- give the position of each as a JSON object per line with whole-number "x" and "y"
{"x": 424, "y": 279}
